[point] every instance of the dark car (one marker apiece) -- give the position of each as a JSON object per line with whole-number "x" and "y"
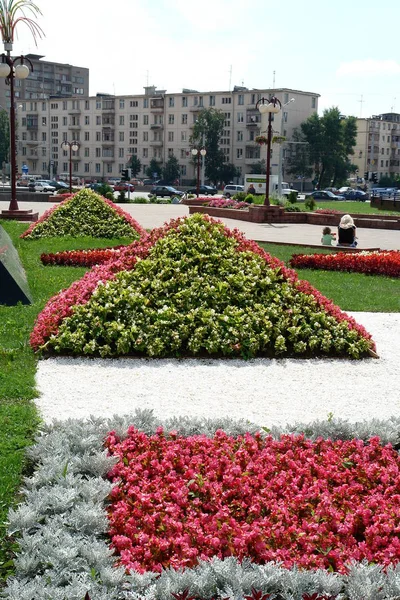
{"x": 166, "y": 190}
{"x": 355, "y": 195}
{"x": 148, "y": 182}
{"x": 59, "y": 185}
{"x": 325, "y": 195}
{"x": 204, "y": 190}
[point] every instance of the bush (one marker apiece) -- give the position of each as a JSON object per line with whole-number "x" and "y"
{"x": 110, "y": 196}
{"x": 139, "y": 200}
{"x": 310, "y": 203}
{"x": 292, "y": 208}
{"x": 122, "y": 198}
{"x": 249, "y": 199}
{"x": 292, "y": 197}
{"x": 240, "y": 196}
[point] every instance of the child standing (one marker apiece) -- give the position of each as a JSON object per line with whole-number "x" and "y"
{"x": 327, "y": 236}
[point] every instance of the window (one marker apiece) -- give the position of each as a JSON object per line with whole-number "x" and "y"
{"x": 86, "y": 136}
{"x": 121, "y": 136}
{"x": 184, "y": 119}
{"x": 240, "y": 117}
{"x": 145, "y": 119}
{"x": 98, "y": 120}
{"x": 171, "y": 119}
{"x": 54, "y": 106}
{"x": 226, "y": 100}
{"x": 120, "y": 152}
{"x": 211, "y": 101}
{"x": 64, "y": 121}
{"x": 201, "y": 102}
{"x": 86, "y": 167}
{"x": 133, "y": 103}
{"x": 184, "y": 101}
{"x": 121, "y": 120}
{"x": 87, "y": 120}
{"x": 170, "y": 152}
{"x": 239, "y": 153}
{"x": 98, "y": 152}
{"x": 240, "y": 136}
{"x": 44, "y": 121}
{"x": 171, "y": 101}
{"x": 98, "y": 136}
{"x": 183, "y": 136}
{"x": 86, "y": 152}
{"x": 285, "y": 97}
{"x": 313, "y": 102}
{"x": 43, "y": 105}
{"x": 253, "y": 99}
{"x": 381, "y": 163}
{"x": 241, "y": 99}
{"x": 87, "y": 105}
{"x": 183, "y": 170}
{"x": 97, "y": 167}
{"x": 145, "y": 136}
{"x": 183, "y": 153}
{"x": 65, "y": 105}
{"x": 44, "y": 136}
{"x": 170, "y": 136}
{"x": 121, "y": 103}
{"x": 145, "y": 152}
{"x": 145, "y": 103}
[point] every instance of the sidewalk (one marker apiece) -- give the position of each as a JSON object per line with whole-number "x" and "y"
{"x": 155, "y": 215}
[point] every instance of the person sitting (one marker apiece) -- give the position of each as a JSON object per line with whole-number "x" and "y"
{"x": 347, "y": 232}
{"x": 251, "y": 189}
{"x": 327, "y": 236}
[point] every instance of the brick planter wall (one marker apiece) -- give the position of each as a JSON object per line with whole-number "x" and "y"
{"x": 386, "y": 203}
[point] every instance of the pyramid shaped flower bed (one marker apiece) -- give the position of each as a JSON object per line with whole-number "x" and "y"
{"x": 85, "y": 214}
{"x": 196, "y": 288}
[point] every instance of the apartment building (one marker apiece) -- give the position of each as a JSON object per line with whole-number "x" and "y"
{"x": 156, "y": 124}
{"x": 47, "y": 79}
{"x": 377, "y": 148}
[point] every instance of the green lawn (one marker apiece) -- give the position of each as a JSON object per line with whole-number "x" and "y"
{"x": 352, "y": 292}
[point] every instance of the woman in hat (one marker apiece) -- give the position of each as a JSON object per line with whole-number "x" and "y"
{"x": 347, "y": 232}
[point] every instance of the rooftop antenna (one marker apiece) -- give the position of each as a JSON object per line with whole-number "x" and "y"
{"x": 230, "y": 77}
{"x": 393, "y": 108}
{"x": 273, "y": 80}
{"x": 147, "y": 79}
{"x": 361, "y": 101}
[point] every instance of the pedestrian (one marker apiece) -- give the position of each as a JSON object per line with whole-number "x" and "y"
{"x": 327, "y": 236}
{"x": 347, "y": 232}
{"x": 251, "y": 189}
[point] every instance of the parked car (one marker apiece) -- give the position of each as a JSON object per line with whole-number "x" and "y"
{"x": 148, "y": 182}
{"x": 231, "y": 189}
{"x": 355, "y": 195}
{"x": 59, "y": 185}
{"x": 41, "y": 186}
{"x": 325, "y": 195}
{"x": 22, "y": 183}
{"x": 124, "y": 186}
{"x": 166, "y": 190}
{"x": 95, "y": 186}
{"x": 204, "y": 190}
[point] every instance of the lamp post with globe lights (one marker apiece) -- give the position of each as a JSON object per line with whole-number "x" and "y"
{"x": 11, "y": 14}
{"x": 72, "y": 147}
{"x": 268, "y": 106}
{"x": 198, "y": 152}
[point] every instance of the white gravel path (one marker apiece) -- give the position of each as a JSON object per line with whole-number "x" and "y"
{"x": 264, "y": 391}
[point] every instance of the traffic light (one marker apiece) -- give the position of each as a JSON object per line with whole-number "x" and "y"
{"x": 366, "y": 175}
{"x": 125, "y": 174}
{"x": 375, "y": 177}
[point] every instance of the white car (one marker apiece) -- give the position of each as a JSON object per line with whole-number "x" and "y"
{"x": 41, "y": 186}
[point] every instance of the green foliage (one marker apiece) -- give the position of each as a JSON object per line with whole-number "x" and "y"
{"x": 292, "y": 197}
{"x": 249, "y": 198}
{"x": 134, "y": 164}
{"x": 110, "y": 196}
{"x": 228, "y": 172}
{"x": 292, "y": 208}
{"x": 259, "y": 168}
{"x": 172, "y": 170}
{"x": 122, "y": 197}
{"x": 331, "y": 138}
{"x": 139, "y": 200}
{"x": 154, "y": 167}
{"x": 86, "y": 213}
{"x": 310, "y": 203}
{"x": 240, "y": 196}
{"x": 210, "y": 123}
{"x": 197, "y": 294}
{"x": 102, "y": 190}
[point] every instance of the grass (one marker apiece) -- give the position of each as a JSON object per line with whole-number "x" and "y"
{"x": 18, "y": 415}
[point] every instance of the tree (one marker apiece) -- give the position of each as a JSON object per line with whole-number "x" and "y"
{"x": 134, "y": 164}
{"x": 228, "y": 172}
{"x": 172, "y": 170}
{"x": 299, "y": 161}
{"x": 4, "y": 136}
{"x": 259, "y": 167}
{"x": 331, "y": 139}
{"x": 209, "y": 127}
{"x": 154, "y": 167}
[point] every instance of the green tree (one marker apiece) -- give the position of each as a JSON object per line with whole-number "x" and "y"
{"x": 134, "y": 164}
{"x": 228, "y": 172}
{"x": 209, "y": 127}
{"x": 299, "y": 161}
{"x": 331, "y": 139}
{"x": 259, "y": 167}
{"x": 172, "y": 170}
{"x": 4, "y": 136}
{"x": 154, "y": 167}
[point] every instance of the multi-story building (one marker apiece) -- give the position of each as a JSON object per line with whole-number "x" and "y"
{"x": 45, "y": 80}
{"x": 377, "y": 148}
{"x": 156, "y": 124}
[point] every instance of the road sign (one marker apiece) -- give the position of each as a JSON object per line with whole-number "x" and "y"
{"x": 25, "y": 169}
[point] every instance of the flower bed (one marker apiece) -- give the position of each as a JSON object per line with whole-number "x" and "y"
{"x": 63, "y": 532}
{"x": 227, "y": 203}
{"x": 315, "y": 504}
{"x": 85, "y": 214}
{"x": 385, "y": 263}
{"x": 82, "y": 258}
{"x": 186, "y": 289}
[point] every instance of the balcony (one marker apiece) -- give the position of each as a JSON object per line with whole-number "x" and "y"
{"x": 157, "y": 105}
{"x": 32, "y": 125}
{"x": 196, "y": 108}
{"x": 107, "y": 123}
{"x": 32, "y": 142}
{"x": 108, "y": 141}
{"x": 156, "y": 143}
{"x": 251, "y": 161}
{"x": 74, "y": 127}
{"x": 108, "y": 107}
{"x": 74, "y": 111}
{"x": 108, "y": 158}
{"x": 157, "y": 126}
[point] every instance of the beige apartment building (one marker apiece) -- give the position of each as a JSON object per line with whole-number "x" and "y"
{"x": 156, "y": 124}
{"x": 377, "y": 147}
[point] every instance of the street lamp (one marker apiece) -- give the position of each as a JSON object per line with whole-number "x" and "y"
{"x": 280, "y": 161}
{"x": 12, "y": 69}
{"x": 72, "y": 147}
{"x": 268, "y": 106}
{"x": 198, "y": 152}
{"x": 15, "y": 68}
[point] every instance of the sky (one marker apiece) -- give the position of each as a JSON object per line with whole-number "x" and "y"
{"x": 347, "y": 51}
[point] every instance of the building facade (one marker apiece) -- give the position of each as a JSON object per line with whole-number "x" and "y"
{"x": 45, "y": 80}
{"x": 154, "y": 125}
{"x": 377, "y": 149}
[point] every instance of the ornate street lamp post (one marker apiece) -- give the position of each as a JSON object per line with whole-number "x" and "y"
{"x": 268, "y": 106}
{"x": 72, "y": 147}
{"x": 198, "y": 152}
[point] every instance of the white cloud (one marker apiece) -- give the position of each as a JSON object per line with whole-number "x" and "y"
{"x": 369, "y": 66}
